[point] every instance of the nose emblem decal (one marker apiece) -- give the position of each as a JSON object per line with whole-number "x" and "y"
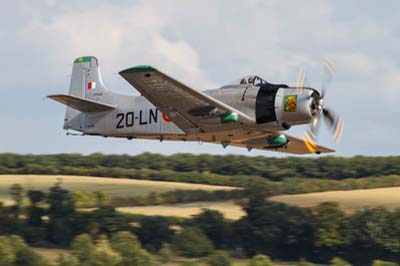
{"x": 290, "y": 103}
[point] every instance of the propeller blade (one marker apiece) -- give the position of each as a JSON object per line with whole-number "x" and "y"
{"x": 329, "y": 70}
{"x": 314, "y": 127}
{"x": 337, "y": 134}
{"x": 329, "y": 117}
{"x": 300, "y": 81}
{"x": 335, "y": 123}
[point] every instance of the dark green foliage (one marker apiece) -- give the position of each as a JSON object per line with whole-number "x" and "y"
{"x": 213, "y": 224}
{"x": 35, "y": 196}
{"x": 35, "y": 213}
{"x": 153, "y": 231}
{"x": 17, "y": 194}
{"x": 175, "y": 196}
{"x": 219, "y": 258}
{"x": 68, "y": 261}
{"x": 123, "y": 250}
{"x": 61, "y": 212}
{"x": 8, "y": 220}
{"x": 155, "y": 166}
{"x": 330, "y": 229}
{"x": 15, "y": 252}
{"x": 105, "y": 220}
{"x": 90, "y": 254}
{"x": 192, "y": 243}
{"x": 189, "y": 263}
{"x": 27, "y": 257}
{"x": 61, "y": 202}
{"x": 82, "y": 247}
{"x": 260, "y": 260}
{"x": 165, "y": 253}
{"x": 339, "y": 262}
{"x": 274, "y": 228}
{"x": 384, "y": 263}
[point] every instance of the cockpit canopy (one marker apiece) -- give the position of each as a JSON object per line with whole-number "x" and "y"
{"x": 248, "y": 80}
{"x": 252, "y": 80}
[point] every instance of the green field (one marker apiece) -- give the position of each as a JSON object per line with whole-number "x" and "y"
{"x": 113, "y": 186}
{"x": 349, "y": 201}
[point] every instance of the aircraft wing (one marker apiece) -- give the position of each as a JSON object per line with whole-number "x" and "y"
{"x": 295, "y": 145}
{"x": 191, "y": 110}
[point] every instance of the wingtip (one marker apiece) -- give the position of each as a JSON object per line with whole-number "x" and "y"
{"x": 139, "y": 68}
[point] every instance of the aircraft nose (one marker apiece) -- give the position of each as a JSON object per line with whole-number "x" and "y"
{"x": 316, "y": 102}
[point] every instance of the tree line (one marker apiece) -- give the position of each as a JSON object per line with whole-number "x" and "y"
{"x": 319, "y": 234}
{"x": 163, "y": 167}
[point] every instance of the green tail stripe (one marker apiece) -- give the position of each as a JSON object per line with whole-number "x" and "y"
{"x": 83, "y": 59}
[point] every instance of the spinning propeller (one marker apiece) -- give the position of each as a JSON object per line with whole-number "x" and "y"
{"x": 318, "y": 110}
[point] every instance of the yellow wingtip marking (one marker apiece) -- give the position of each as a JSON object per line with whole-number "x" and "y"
{"x": 310, "y": 144}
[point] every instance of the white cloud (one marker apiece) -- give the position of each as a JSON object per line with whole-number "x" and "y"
{"x": 118, "y": 37}
{"x": 201, "y": 43}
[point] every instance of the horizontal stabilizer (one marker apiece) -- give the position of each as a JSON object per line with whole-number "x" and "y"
{"x": 80, "y": 104}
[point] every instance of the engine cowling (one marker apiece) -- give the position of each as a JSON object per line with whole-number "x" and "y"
{"x": 283, "y": 106}
{"x": 293, "y": 107}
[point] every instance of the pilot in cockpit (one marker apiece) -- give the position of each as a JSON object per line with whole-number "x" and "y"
{"x": 250, "y": 81}
{"x": 243, "y": 81}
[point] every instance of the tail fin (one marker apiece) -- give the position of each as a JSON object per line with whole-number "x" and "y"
{"x": 86, "y": 78}
{"x": 85, "y": 83}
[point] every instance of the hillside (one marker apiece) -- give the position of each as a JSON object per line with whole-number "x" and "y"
{"x": 349, "y": 201}
{"x": 112, "y": 186}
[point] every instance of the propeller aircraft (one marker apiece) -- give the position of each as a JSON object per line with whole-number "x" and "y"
{"x": 249, "y": 112}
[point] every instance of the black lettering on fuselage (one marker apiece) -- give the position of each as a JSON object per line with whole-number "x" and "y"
{"x": 128, "y": 119}
{"x": 141, "y": 119}
{"x": 153, "y": 116}
{"x": 119, "y": 124}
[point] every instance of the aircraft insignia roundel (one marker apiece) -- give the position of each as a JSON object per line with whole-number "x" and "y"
{"x": 165, "y": 118}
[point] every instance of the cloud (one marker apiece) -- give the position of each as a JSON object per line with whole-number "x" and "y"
{"x": 202, "y": 44}
{"x": 118, "y": 36}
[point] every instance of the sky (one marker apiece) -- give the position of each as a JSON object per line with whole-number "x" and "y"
{"x": 204, "y": 44}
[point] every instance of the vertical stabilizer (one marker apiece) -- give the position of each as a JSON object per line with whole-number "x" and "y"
{"x": 85, "y": 83}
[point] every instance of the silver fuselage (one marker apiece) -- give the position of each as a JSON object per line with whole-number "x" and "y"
{"x": 136, "y": 117}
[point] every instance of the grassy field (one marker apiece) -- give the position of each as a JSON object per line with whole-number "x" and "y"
{"x": 350, "y": 201}
{"x": 113, "y": 186}
{"x": 186, "y": 210}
